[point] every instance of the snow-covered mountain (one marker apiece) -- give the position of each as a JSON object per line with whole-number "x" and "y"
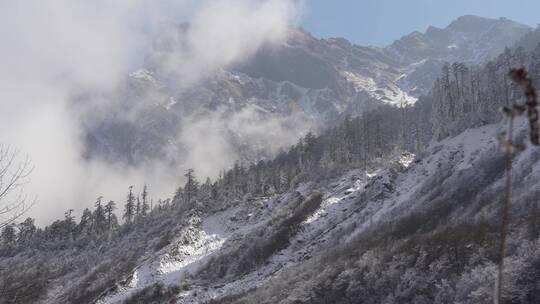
{"x": 402, "y": 205}
{"x": 468, "y": 39}
{"x": 303, "y": 84}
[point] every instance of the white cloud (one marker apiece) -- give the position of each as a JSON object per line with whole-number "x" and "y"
{"x": 51, "y": 49}
{"x": 210, "y": 138}
{"x": 224, "y": 32}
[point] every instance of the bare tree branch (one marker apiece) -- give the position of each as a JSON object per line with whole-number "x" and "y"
{"x": 14, "y": 175}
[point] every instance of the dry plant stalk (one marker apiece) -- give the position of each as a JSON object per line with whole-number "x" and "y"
{"x": 521, "y": 77}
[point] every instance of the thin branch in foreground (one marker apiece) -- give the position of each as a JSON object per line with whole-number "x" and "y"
{"x": 521, "y": 77}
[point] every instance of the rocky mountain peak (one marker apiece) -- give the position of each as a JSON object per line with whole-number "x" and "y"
{"x": 471, "y": 23}
{"x": 469, "y": 38}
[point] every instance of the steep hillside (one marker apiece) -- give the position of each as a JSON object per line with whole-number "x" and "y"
{"x": 420, "y": 229}
{"x": 426, "y": 233}
{"x": 431, "y": 220}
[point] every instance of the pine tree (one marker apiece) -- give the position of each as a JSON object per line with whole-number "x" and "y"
{"x": 86, "y": 225}
{"x": 100, "y": 221}
{"x": 138, "y": 207}
{"x": 145, "y": 206}
{"x": 215, "y": 191}
{"x": 205, "y": 192}
{"x": 178, "y": 196}
{"x": 284, "y": 180}
{"x": 112, "y": 221}
{"x": 69, "y": 224}
{"x": 27, "y": 229}
{"x": 129, "y": 208}
{"x": 69, "y": 217}
{"x": 191, "y": 187}
{"x": 309, "y": 150}
{"x": 256, "y": 183}
{"x": 8, "y": 235}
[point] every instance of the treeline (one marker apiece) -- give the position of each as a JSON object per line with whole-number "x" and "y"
{"x": 361, "y": 141}
{"x": 467, "y": 96}
{"x": 100, "y": 222}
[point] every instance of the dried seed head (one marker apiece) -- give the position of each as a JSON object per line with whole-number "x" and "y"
{"x": 521, "y": 77}
{"x": 519, "y": 147}
{"x": 519, "y": 109}
{"x": 507, "y": 111}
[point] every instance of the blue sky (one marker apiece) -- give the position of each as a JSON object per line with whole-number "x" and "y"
{"x": 379, "y": 22}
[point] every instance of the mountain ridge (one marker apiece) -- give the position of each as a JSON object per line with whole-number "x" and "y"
{"x": 305, "y": 79}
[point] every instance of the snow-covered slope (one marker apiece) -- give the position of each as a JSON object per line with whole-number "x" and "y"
{"x": 458, "y": 175}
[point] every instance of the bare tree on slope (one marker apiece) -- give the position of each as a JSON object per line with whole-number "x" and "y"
{"x": 14, "y": 174}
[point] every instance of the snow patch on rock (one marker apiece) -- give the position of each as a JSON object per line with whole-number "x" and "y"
{"x": 143, "y": 75}
{"x": 389, "y": 93}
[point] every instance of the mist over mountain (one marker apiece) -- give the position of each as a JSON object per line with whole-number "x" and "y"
{"x": 297, "y": 85}
{"x": 246, "y": 161}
